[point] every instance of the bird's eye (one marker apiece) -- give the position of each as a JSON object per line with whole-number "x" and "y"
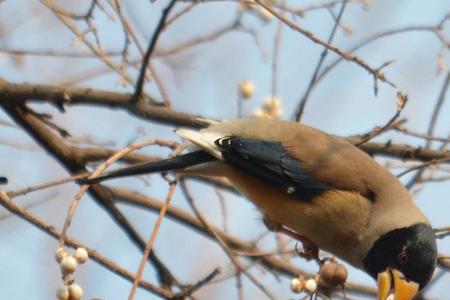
{"x": 402, "y": 258}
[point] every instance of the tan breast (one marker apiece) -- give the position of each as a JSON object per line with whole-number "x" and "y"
{"x": 334, "y": 221}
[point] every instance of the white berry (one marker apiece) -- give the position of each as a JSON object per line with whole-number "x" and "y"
{"x": 75, "y": 291}
{"x": 62, "y": 293}
{"x": 273, "y": 107}
{"x": 310, "y": 285}
{"x": 259, "y": 113}
{"x": 60, "y": 253}
{"x": 296, "y": 285}
{"x": 246, "y": 89}
{"x": 81, "y": 255}
{"x": 68, "y": 264}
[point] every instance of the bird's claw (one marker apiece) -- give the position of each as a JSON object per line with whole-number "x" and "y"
{"x": 309, "y": 251}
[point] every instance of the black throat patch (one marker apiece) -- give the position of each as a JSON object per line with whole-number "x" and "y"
{"x": 416, "y": 243}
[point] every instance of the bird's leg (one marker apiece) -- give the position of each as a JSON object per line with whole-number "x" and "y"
{"x": 309, "y": 252}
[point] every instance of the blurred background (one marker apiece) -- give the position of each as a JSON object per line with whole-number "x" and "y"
{"x": 208, "y": 53}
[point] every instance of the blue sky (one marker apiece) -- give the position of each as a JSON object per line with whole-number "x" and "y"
{"x": 203, "y": 80}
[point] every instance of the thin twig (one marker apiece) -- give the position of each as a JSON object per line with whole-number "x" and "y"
{"x": 240, "y": 247}
{"x": 42, "y": 186}
{"x": 162, "y": 213}
{"x": 433, "y": 120}
{"x": 68, "y": 157}
{"x": 323, "y": 55}
{"x": 50, "y": 53}
{"x": 223, "y": 209}
{"x": 423, "y": 165}
{"x": 426, "y": 28}
{"x": 442, "y": 232}
{"x": 407, "y": 131}
{"x": 71, "y": 15}
{"x": 402, "y": 99}
{"x": 301, "y": 11}
{"x": 223, "y": 245}
{"x": 181, "y": 13}
{"x": 437, "y": 108}
{"x": 150, "y": 49}
{"x": 127, "y": 27}
{"x": 19, "y": 211}
{"x": 151, "y": 241}
{"x": 190, "y": 290}
{"x": 99, "y": 170}
{"x": 181, "y": 46}
{"x": 376, "y": 72}
{"x": 276, "y": 51}
{"x": 80, "y": 35}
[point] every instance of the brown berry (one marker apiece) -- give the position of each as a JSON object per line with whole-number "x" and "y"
{"x": 333, "y": 274}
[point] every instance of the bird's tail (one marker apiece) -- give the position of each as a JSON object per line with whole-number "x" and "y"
{"x": 173, "y": 163}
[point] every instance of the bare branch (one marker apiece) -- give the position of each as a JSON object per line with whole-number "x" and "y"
{"x": 323, "y": 55}
{"x": 15, "y": 209}
{"x": 376, "y": 72}
{"x": 150, "y": 49}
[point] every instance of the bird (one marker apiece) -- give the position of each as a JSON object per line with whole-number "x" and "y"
{"x": 317, "y": 186}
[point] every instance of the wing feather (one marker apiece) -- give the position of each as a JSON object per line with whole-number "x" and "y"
{"x": 270, "y": 162}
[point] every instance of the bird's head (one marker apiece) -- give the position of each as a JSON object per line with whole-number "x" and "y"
{"x": 403, "y": 261}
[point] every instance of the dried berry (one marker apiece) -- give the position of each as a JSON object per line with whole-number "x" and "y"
{"x": 333, "y": 274}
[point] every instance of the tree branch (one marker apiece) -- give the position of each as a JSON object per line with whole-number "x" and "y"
{"x": 68, "y": 157}
{"x": 61, "y": 96}
{"x": 19, "y": 211}
{"x": 246, "y": 248}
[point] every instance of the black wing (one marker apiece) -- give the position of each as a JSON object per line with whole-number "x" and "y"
{"x": 270, "y": 161}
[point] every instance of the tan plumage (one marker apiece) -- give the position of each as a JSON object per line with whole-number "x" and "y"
{"x": 344, "y": 220}
{"x": 318, "y": 186}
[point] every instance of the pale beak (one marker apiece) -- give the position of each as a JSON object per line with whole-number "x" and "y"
{"x": 393, "y": 283}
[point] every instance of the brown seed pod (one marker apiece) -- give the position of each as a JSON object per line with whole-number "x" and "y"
{"x": 333, "y": 274}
